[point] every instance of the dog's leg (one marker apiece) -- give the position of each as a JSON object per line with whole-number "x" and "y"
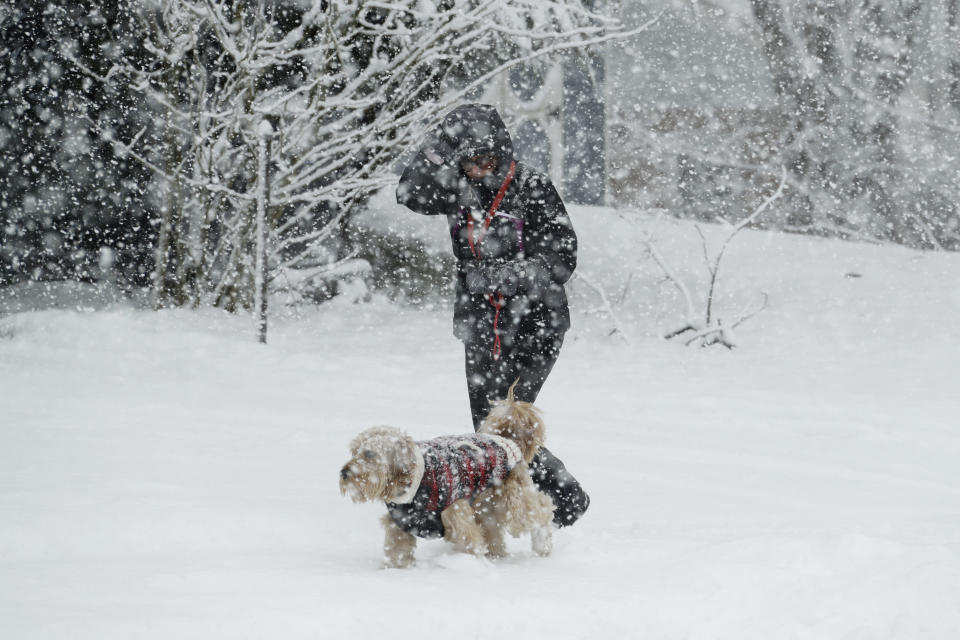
{"x": 541, "y": 540}
{"x": 528, "y": 510}
{"x": 398, "y": 545}
{"x": 521, "y": 507}
{"x": 462, "y": 529}
{"x": 540, "y": 511}
{"x": 490, "y": 513}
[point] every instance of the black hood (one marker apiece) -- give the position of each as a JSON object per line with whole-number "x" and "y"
{"x": 477, "y": 129}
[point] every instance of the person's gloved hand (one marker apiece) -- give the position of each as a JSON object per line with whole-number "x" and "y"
{"x": 535, "y": 277}
{"x": 506, "y": 277}
{"x": 475, "y": 274}
{"x": 442, "y": 145}
{"x": 494, "y": 277}
{"x": 440, "y": 150}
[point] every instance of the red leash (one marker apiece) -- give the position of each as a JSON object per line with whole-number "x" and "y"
{"x": 498, "y": 302}
{"x": 493, "y": 209}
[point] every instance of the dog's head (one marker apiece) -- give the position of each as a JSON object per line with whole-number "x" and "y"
{"x": 517, "y": 421}
{"x": 382, "y": 465}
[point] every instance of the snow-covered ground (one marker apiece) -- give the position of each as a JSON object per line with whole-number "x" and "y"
{"x": 162, "y": 475}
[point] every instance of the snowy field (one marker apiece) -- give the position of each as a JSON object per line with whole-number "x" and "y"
{"x": 164, "y": 476}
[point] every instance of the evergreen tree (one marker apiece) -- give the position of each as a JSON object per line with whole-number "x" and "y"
{"x": 68, "y": 204}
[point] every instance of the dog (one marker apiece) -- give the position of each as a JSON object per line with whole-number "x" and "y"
{"x": 468, "y": 489}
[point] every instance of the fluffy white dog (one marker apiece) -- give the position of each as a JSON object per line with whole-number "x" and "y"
{"x": 468, "y": 489}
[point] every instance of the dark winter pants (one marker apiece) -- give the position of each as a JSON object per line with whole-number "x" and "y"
{"x": 530, "y": 358}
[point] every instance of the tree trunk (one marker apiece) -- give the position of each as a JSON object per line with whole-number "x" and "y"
{"x": 797, "y": 99}
{"x": 263, "y": 200}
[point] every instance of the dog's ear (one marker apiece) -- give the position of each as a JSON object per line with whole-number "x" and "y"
{"x": 401, "y": 465}
{"x": 404, "y": 458}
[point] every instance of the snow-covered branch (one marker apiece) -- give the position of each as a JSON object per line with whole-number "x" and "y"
{"x": 346, "y": 87}
{"x": 606, "y": 307}
{"x": 711, "y": 329}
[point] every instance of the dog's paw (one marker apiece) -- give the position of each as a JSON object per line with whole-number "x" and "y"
{"x": 399, "y": 563}
{"x": 541, "y": 539}
{"x": 494, "y": 553}
{"x": 463, "y": 563}
{"x": 474, "y": 548}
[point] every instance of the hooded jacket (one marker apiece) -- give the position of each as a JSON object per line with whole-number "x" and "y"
{"x": 530, "y": 231}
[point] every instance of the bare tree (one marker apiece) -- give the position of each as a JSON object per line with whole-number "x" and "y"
{"x": 346, "y": 84}
{"x": 707, "y": 327}
{"x": 843, "y": 73}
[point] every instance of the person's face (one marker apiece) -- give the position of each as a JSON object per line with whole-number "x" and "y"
{"x": 479, "y": 167}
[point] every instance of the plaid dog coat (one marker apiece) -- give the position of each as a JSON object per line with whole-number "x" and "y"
{"x": 452, "y": 468}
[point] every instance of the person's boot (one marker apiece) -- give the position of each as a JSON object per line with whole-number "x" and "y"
{"x": 552, "y": 478}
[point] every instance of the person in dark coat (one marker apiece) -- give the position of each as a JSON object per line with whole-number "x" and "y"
{"x": 515, "y": 249}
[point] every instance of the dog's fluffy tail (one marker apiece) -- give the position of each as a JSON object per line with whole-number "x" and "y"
{"x": 517, "y": 421}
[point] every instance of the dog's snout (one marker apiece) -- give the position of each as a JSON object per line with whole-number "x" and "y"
{"x": 345, "y": 473}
